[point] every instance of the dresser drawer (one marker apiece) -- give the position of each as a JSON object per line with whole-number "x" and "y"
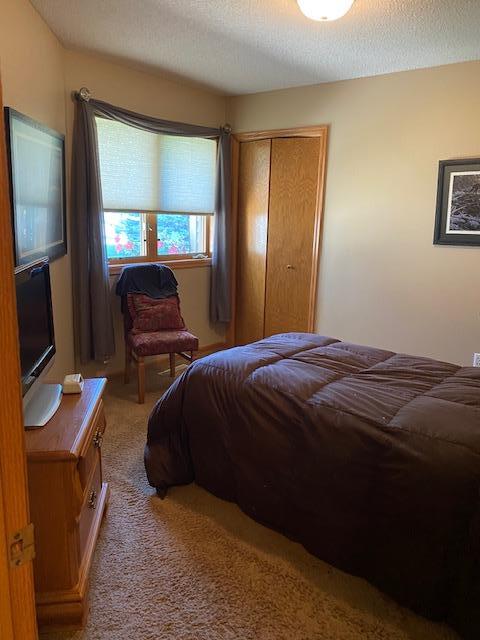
{"x": 88, "y": 512}
{"x": 90, "y": 458}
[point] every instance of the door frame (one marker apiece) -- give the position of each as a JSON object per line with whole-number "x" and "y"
{"x": 17, "y": 594}
{"x": 316, "y": 131}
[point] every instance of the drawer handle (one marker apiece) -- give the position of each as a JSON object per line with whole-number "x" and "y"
{"x": 98, "y": 439}
{"x": 92, "y": 502}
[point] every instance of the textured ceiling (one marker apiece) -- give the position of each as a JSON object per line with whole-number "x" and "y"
{"x": 245, "y": 46}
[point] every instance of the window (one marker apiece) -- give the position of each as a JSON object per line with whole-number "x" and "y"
{"x": 133, "y": 235}
{"x": 158, "y": 193}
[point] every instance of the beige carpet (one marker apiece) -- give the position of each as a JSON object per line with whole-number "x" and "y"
{"x": 193, "y": 567}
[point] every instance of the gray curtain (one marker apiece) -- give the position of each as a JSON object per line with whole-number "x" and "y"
{"x": 93, "y": 315}
{"x": 220, "y": 289}
{"x": 94, "y": 337}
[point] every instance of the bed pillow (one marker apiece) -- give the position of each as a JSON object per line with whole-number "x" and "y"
{"x": 150, "y": 314}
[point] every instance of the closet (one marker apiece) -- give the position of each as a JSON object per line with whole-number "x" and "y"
{"x": 279, "y": 186}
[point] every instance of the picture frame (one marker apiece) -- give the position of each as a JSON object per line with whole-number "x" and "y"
{"x": 36, "y": 159}
{"x": 457, "y": 220}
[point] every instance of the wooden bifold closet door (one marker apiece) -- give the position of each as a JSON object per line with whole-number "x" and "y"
{"x": 280, "y": 193}
{"x": 253, "y": 196}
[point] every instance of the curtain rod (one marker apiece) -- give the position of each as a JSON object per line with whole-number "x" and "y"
{"x": 85, "y": 95}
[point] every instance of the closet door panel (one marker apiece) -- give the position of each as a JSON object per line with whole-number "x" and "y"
{"x": 253, "y": 201}
{"x": 295, "y": 165}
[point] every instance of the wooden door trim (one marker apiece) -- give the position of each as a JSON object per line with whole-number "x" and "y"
{"x": 317, "y": 131}
{"x": 13, "y": 473}
{"x": 317, "y": 234}
{"x": 6, "y": 622}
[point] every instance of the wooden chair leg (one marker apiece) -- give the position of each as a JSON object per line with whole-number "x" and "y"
{"x": 141, "y": 380}
{"x": 172, "y": 365}
{"x": 128, "y": 363}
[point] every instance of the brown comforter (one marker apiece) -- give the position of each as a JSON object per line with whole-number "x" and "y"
{"x": 369, "y": 458}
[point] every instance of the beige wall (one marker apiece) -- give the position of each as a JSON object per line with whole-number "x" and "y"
{"x": 382, "y": 282}
{"x": 32, "y": 72}
{"x": 38, "y": 75}
{"x": 163, "y": 98}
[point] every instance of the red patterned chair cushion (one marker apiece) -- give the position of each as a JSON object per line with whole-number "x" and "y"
{"x": 149, "y": 314}
{"x": 156, "y": 343}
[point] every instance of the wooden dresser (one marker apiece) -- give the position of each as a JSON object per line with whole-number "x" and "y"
{"x": 67, "y": 501}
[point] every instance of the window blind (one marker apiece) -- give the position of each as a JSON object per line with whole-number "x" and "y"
{"x": 154, "y": 172}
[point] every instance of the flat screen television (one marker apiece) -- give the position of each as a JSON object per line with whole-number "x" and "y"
{"x": 37, "y": 188}
{"x": 37, "y": 342}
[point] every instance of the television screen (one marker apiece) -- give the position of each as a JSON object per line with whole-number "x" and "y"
{"x": 35, "y": 322}
{"x": 37, "y": 172}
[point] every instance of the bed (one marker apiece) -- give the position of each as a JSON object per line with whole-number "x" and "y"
{"x": 369, "y": 458}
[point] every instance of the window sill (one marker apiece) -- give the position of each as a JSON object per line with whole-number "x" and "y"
{"x": 187, "y": 263}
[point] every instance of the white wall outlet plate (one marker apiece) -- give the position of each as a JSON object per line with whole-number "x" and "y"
{"x": 476, "y": 359}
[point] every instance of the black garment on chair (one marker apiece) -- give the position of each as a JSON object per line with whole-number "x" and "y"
{"x": 153, "y": 280}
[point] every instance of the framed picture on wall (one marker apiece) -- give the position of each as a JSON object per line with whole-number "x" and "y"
{"x": 457, "y": 219}
{"x": 37, "y": 188}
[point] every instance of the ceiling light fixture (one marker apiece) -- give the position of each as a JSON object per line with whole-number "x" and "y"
{"x": 323, "y": 10}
